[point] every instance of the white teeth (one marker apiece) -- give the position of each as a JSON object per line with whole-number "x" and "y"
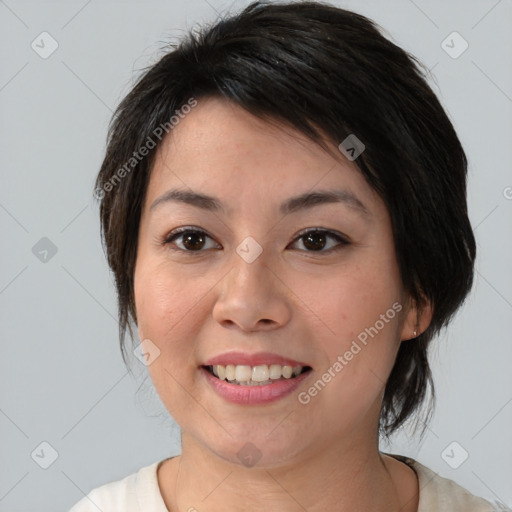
{"x": 287, "y": 372}
{"x": 230, "y": 371}
{"x": 221, "y": 371}
{"x": 275, "y": 371}
{"x": 260, "y": 373}
{"x": 255, "y": 375}
{"x": 243, "y": 373}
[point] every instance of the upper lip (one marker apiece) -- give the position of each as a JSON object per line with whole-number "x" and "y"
{"x": 256, "y": 359}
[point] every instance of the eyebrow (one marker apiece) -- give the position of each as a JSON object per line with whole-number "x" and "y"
{"x": 292, "y": 205}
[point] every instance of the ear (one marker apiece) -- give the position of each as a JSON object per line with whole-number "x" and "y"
{"x": 417, "y": 319}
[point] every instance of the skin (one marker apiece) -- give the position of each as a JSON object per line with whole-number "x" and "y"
{"x": 292, "y": 300}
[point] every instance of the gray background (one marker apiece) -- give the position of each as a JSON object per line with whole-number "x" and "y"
{"x": 62, "y": 378}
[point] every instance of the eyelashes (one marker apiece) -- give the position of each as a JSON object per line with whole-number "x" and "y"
{"x": 193, "y": 236}
{"x": 192, "y": 241}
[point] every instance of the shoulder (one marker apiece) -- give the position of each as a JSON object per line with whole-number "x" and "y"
{"x": 445, "y": 495}
{"x": 134, "y": 493}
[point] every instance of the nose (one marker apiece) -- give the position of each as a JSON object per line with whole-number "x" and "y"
{"x": 252, "y": 297}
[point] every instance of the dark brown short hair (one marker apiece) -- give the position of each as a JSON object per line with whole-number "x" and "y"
{"x": 328, "y": 72}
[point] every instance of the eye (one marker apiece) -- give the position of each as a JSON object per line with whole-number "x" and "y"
{"x": 315, "y": 240}
{"x": 191, "y": 240}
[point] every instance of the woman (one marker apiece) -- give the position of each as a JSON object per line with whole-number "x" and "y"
{"x": 283, "y": 205}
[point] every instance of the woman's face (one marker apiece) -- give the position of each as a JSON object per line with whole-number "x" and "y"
{"x": 257, "y": 288}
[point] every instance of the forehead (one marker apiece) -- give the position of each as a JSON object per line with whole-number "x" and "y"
{"x": 222, "y": 150}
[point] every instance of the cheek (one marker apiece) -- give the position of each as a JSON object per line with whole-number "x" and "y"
{"x": 352, "y": 300}
{"x": 167, "y": 312}
{"x": 362, "y": 311}
{"x": 162, "y": 300}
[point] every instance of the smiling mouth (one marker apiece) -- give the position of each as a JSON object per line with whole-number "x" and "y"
{"x": 260, "y": 375}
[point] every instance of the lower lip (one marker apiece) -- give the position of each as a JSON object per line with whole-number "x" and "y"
{"x": 250, "y": 395}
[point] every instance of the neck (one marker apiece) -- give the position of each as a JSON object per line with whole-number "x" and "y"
{"x": 352, "y": 475}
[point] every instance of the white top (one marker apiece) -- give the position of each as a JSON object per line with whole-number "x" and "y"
{"x": 139, "y": 492}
